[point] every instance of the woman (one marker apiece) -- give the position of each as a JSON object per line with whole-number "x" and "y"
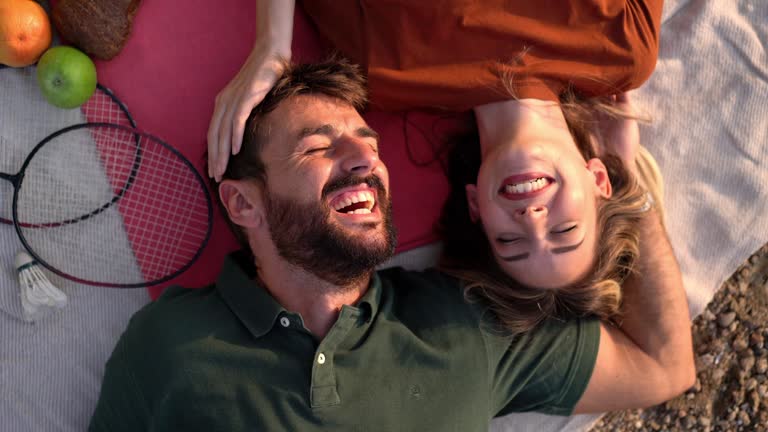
{"x": 519, "y": 281}
{"x": 556, "y": 225}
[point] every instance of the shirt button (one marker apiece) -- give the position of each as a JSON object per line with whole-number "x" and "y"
{"x": 285, "y": 322}
{"x": 321, "y": 358}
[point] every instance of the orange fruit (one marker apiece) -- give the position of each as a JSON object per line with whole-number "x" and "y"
{"x": 25, "y": 32}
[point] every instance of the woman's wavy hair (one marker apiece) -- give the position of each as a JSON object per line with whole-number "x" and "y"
{"x": 467, "y": 254}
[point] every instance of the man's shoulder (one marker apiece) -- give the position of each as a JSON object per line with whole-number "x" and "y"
{"x": 422, "y": 281}
{"x": 430, "y": 290}
{"x": 178, "y": 311}
{"x": 176, "y": 295}
{"x": 178, "y": 299}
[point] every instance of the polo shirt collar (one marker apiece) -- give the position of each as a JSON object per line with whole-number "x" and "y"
{"x": 256, "y": 308}
{"x": 248, "y": 300}
{"x": 369, "y": 303}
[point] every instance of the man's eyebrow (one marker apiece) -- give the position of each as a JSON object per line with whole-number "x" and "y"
{"x": 325, "y": 129}
{"x": 330, "y": 131}
{"x": 366, "y": 132}
{"x": 558, "y": 250}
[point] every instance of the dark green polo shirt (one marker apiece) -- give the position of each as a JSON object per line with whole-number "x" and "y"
{"x": 412, "y": 355}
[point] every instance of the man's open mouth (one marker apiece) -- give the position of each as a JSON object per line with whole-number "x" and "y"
{"x": 355, "y": 202}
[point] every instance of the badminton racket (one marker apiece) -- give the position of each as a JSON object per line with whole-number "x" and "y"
{"x": 87, "y": 188}
{"x": 102, "y": 107}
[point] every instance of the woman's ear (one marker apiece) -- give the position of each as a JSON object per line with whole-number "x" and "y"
{"x": 474, "y": 209}
{"x": 602, "y": 180}
{"x": 243, "y": 201}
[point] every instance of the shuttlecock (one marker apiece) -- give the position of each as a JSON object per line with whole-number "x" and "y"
{"x": 37, "y": 292}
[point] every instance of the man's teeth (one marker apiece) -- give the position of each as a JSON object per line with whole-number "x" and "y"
{"x": 365, "y": 197}
{"x": 529, "y": 186}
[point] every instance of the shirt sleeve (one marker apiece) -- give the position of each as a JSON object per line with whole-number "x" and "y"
{"x": 121, "y": 405}
{"x": 546, "y": 370}
{"x": 461, "y": 54}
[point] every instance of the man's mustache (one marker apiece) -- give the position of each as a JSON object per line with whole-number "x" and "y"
{"x": 372, "y": 180}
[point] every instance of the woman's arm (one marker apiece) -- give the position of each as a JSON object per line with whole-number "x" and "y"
{"x": 646, "y": 358}
{"x": 274, "y": 34}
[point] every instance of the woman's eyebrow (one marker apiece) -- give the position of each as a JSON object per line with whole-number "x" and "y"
{"x": 516, "y": 257}
{"x": 557, "y": 250}
{"x": 564, "y": 249}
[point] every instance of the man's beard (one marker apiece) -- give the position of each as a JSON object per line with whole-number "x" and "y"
{"x": 304, "y": 236}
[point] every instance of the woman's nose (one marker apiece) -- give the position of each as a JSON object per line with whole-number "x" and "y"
{"x": 530, "y": 215}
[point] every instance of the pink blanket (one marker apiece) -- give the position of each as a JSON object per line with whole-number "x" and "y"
{"x": 180, "y": 55}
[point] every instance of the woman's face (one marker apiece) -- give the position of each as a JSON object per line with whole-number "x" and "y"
{"x": 536, "y": 197}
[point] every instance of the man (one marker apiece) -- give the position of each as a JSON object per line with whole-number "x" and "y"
{"x": 304, "y": 335}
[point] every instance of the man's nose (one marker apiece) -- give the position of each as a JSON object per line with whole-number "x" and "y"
{"x": 358, "y": 156}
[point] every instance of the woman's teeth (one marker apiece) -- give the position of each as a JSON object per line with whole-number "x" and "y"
{"x": 529, "y": 186}
{"x": 356, "y": 203}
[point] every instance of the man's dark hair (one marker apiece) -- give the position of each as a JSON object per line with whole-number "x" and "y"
{"x": 335, "y": 77}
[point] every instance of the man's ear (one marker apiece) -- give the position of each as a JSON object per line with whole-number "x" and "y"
{"x": 243, "y": 201}
{"x": 602, "y": 180}
{"x": 474, "y": 209}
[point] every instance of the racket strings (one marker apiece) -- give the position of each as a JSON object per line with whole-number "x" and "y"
{"x": 102, "y": 107}
{"x": 107, "y": 187}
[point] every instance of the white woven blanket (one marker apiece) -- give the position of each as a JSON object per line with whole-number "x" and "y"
{"x": 51, "y": 369}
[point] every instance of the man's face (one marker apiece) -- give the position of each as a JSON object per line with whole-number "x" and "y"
{"x": 327, "y": 200}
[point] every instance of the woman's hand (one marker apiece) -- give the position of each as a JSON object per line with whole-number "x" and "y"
{"x": 274, "y": 25}
{"x": 234, "y": 104}
{"x": 621, "y": 136}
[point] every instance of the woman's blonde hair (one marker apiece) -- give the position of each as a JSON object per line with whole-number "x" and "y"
{"x": 468, "y": 256}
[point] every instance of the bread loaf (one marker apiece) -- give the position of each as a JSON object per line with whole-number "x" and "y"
{"x": 100, "y": 28}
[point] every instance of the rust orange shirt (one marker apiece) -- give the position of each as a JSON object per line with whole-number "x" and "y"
{"x": 456, "y": 54}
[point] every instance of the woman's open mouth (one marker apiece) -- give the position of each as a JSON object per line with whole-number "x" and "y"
{"x": 524, "y": 186}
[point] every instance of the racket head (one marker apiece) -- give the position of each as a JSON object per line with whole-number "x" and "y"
{"x": 102, "y": 107}
{"x": 108, "y": 205}
{"x": 105, "y": 107}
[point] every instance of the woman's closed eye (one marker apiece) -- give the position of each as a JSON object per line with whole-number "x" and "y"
{"x": 506, "y": 241}
{"x": 564, "y": 230}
